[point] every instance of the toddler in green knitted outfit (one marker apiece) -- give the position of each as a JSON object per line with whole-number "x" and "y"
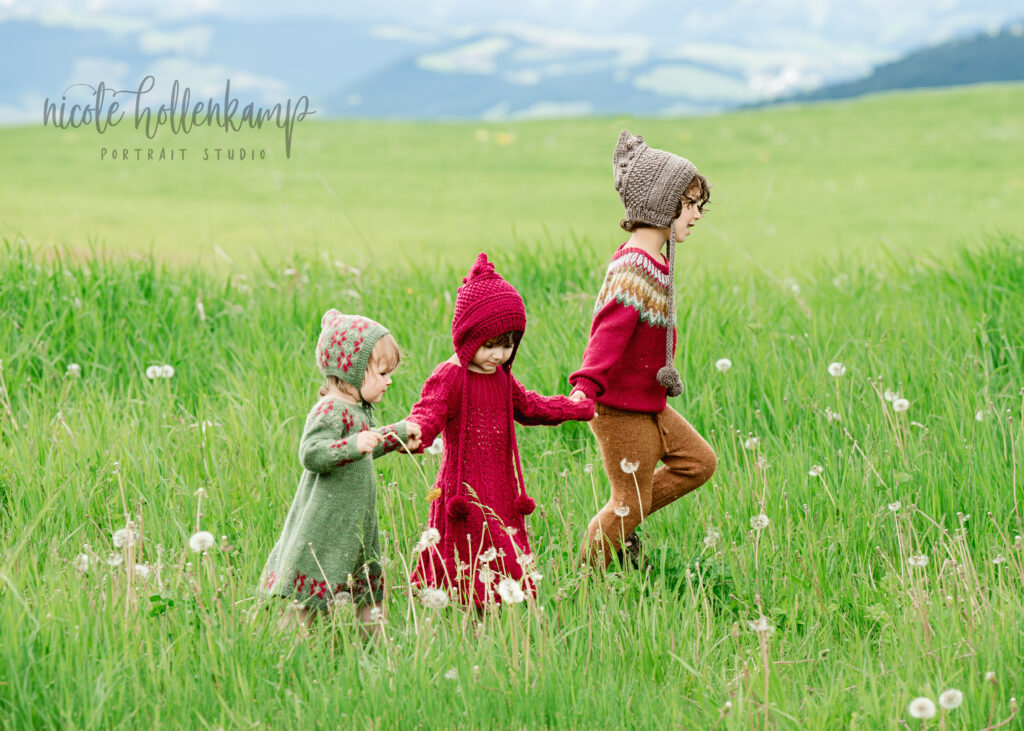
{"x": 329, "y": 550}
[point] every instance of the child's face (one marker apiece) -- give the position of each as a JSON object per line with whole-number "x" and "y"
{"x": 489, "y": 358}
{"x": 376, "y": 382}
{"x": 687, "y": 219}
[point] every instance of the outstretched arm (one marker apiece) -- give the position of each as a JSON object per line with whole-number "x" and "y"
{"x": 330, "y": 439}
{"x": 532, "y": 409}
{"x": 438, "y": 401}
{"x": 394, "y": 436}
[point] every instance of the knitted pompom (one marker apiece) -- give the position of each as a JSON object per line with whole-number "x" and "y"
{"x": 458, "y": 509}
{"x": 525, "y": 504}
{"x": 329, "y": 317}
{"x": 481, "y": 268}
{"x": 669, "y": 378}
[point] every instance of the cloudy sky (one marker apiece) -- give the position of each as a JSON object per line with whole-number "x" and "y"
{"x": 757, "y": 48}
{"x": 879, "y": 22}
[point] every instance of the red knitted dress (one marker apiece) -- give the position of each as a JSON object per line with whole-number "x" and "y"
{"x": 481, "y": 511}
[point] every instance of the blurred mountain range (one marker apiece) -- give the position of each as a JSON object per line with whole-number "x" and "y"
{"x": 507, "y": 71}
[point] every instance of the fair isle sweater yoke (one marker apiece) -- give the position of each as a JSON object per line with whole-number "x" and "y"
{"x": 627, "y": 335}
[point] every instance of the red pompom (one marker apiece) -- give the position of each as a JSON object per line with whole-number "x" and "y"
{"x": 525, "y": 504}
{"x": 458, "y": 509}
{"x": 481, "y": 268}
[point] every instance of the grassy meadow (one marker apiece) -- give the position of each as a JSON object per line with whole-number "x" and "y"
{"x": 914, "y": 173}
{"x": 853, "y": 628}
{"x": 883, "y": 234}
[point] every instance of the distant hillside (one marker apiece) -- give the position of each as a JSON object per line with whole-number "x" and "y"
{"x": 972, "y": 60}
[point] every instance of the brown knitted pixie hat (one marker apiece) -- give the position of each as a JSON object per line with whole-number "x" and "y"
{"x": 650, "y": 182}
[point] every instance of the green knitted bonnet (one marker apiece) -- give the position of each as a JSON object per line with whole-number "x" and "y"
{"x": 345, "y": 344}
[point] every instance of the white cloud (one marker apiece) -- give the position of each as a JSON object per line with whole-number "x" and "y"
{"x": 690, "y": 81}
{"x": 478, "y": 57}
{"x": 208, "y": 81}
{"x": 407, "y": 34}
{"x": 115, "y": 74}
{"x": 193, "y": 40}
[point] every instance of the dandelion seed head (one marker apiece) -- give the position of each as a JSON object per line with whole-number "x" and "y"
{"x": 921, "y": 707}
{"x": 81, "y": 562}
{"x": 761, "y": 625}
{"x": 999, "y": 559}
{"x": 950, "y": 699}
{"x": 74, "y": 370}
{"x": 489, "y": 555}
{"x": 628, "y": 467}
{"x": 377, "y": 615}
{"x": 201, "y": 541}
{"x": 431, "y": 537}
{"x": 816, "y": 470}
{"x": 588, "y": 469}
{"x": 142, "y": 571}
{"x": 979, "y": 416}
{"x": 622, "y": 511}
{"x": 452, "y": 674}
{"x": 831, "y": 415}
{"x": 990, "y": 677}
{"x": 433, "y": 598}
{"x": 751, "y": 442}
{"x": 114, "y": 559}
{"x": 510, "y": 591}
{"x": 900, "y": 405}
{"x": 525, "y": 559}
{"x": 890, "y": 395}
{"x": 125, "y": 537}
{"x": 920, "y": 560}
{"x": 759, "y": 522}
{"x": 894, "y": 507}
{"x": 723, "y": 364}
{"x": 153, "y": 372}
{"x": 836, "y": 369}
{"x": 436, "y": 447}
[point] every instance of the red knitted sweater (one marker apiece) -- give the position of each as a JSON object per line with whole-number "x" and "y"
{"x": 627, "y": 335}
{"x": 486, "y": 457}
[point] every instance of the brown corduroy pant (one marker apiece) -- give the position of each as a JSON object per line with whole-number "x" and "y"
{"x": 628, "y": 439}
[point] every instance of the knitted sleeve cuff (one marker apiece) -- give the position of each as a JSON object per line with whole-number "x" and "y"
{"x": 395, "y": 435}
{"x": 591, "y": 388}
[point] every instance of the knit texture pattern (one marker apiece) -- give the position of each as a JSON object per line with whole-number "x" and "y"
{"x": 486, "y": 306}
{"x": 329, "y": 544}
{"x": 634, "y": 280}
{"x": 628, "y": 333}
{"x": 345, "y": 345}
{"x": 468, "y": 409}
{"x": 650, "y": 182}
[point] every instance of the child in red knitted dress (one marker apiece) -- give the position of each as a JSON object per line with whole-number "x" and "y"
{"x": 483, "y": 554}
{"x": 627, "y": 366}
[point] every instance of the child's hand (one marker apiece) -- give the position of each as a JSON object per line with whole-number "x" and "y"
{"x": 577, "y": 395}
{"x": 413, "y": 444}
{"x": 414, "y": 431}
{"x": 367, "y": 440}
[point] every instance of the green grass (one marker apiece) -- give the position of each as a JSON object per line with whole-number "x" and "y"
{"x": 914, "y": 173}
{"x": 857, "y": 632}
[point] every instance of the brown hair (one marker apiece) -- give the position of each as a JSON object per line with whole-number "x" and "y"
{"x": 385, "y": 354}
{"x": 697, "y": 192}
{"x": 505, "y": 340}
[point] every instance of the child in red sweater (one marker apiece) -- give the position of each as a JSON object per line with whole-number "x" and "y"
{"x": 627, "y": 366}
{"x": 480, "y": 547}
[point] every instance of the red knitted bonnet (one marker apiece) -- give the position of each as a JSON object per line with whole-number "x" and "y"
{"x": 485, "y": 307}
